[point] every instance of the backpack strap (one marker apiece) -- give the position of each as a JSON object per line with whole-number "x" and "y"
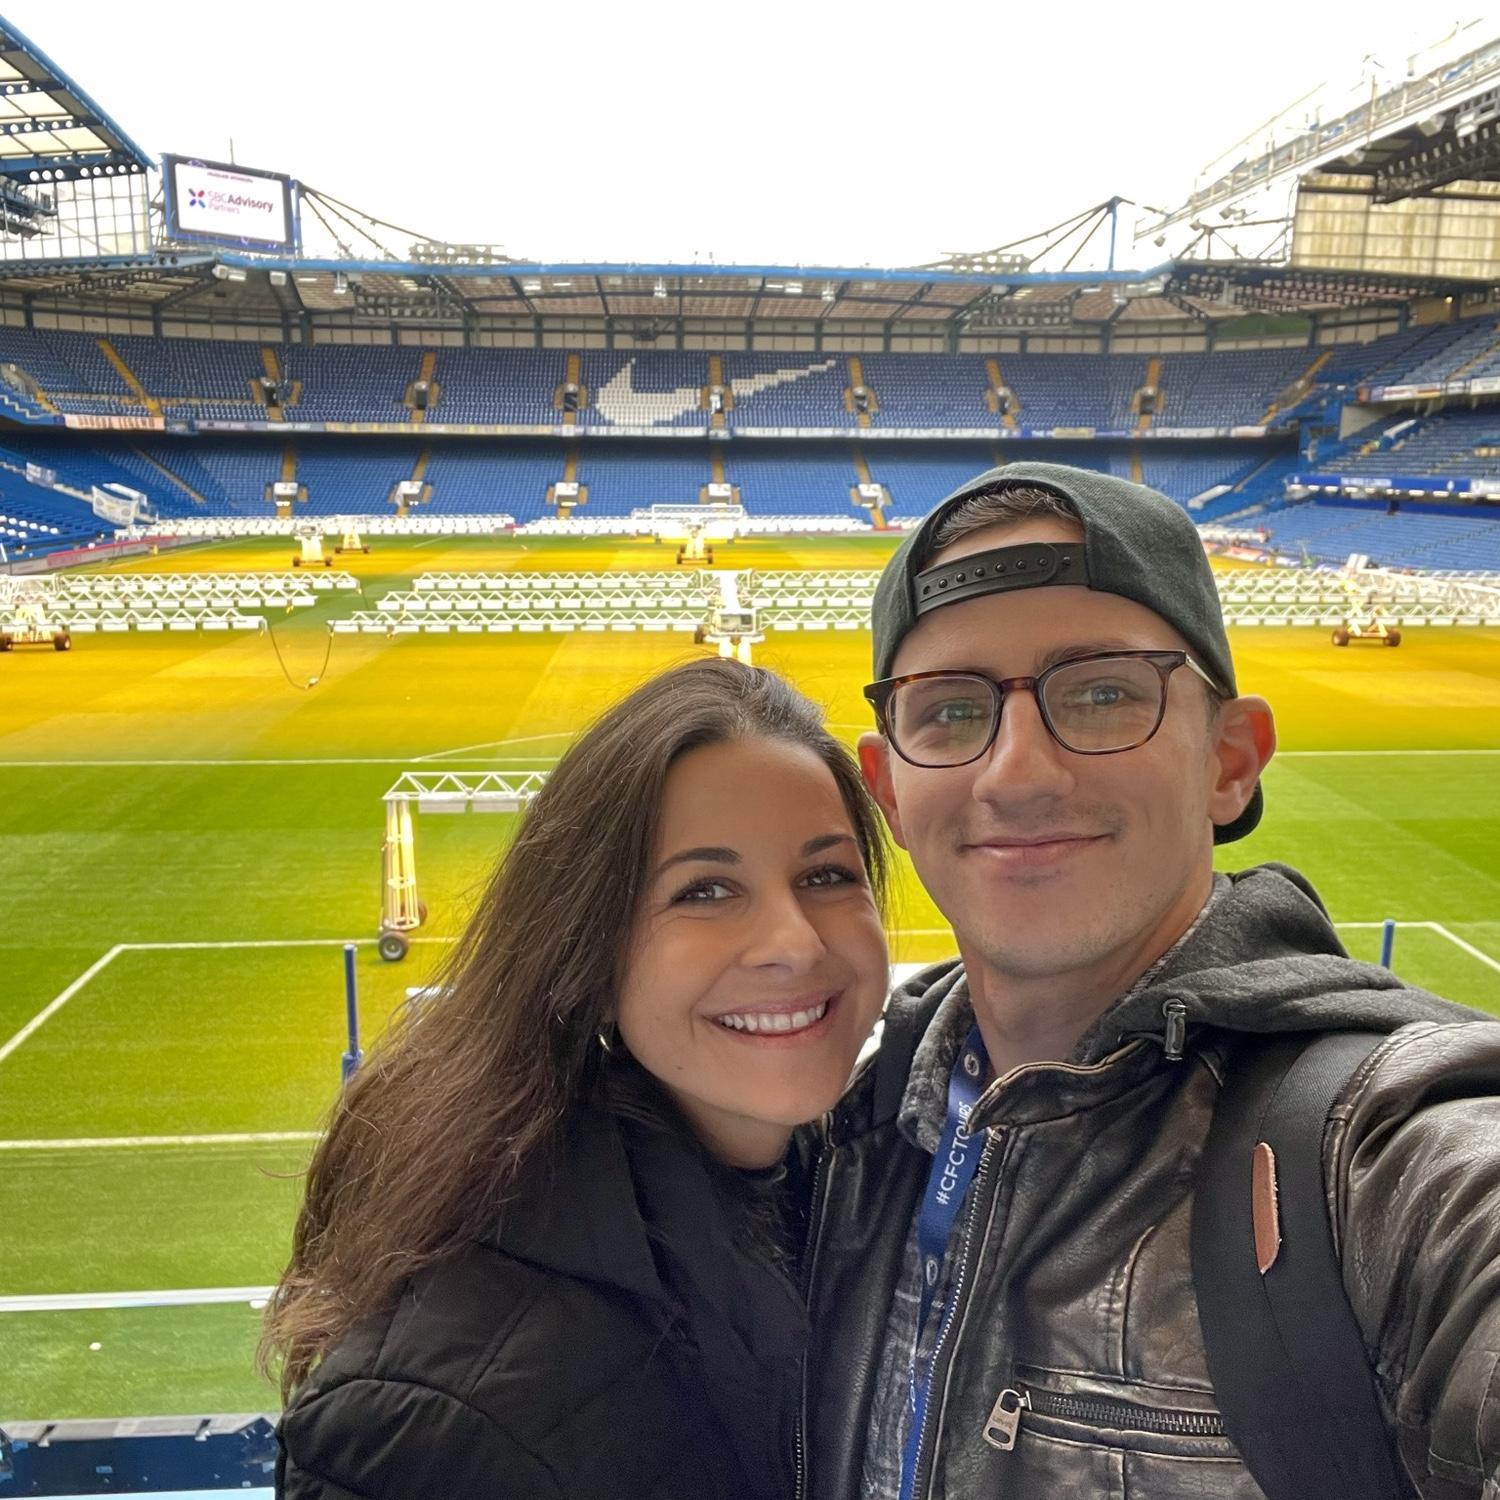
{"x": 1286, "y": 1356}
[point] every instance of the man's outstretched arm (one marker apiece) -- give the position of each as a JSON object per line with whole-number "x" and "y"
{"x": 1414, "y": 1174}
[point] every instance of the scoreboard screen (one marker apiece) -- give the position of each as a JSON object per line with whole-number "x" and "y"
{"x": 215, "y": 203}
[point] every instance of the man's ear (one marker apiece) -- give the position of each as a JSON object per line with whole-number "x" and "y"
{"x": 1245, "y": 741}
{"x": 875, "y": 766}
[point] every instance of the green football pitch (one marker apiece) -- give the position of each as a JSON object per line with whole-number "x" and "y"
{"x": 188, "y": 833}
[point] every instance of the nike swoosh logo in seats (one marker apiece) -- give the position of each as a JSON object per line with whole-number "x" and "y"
{"x": 620, "y": 404}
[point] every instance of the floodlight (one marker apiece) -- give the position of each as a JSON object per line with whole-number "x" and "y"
{"x": 340, "y": 284}
{"x": 793, "y": 289}
{"x": 660, "y": 289}
{"x": 228, "y": 273}
{"x": 278, "y": 278}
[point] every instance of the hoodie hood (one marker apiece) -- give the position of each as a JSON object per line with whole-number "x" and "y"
{"x": 1267, "y": 960}
{"x": 1264, "y": 960}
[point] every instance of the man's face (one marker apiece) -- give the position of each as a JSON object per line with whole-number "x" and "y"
{"x": 1046, "y": 862}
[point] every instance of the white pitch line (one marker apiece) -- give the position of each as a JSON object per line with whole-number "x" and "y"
{"x": 315, "y": 760}
{"x": 1469, "y": 948}
{"x": 519, "y": 739}
{"x": 437, "y": 755}
{"x": 138, "y": 1142}
{"x": 207, "y": 946}
{"x": 52, "y": 1007}
{"x": 105, "y": 1301}
{"x": 1320, "y": 754}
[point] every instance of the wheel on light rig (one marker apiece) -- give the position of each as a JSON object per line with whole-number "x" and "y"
{"x": 1393, "y": 637}
{"x": 392, "y": 946}
{"x": 62, "y": 641}
{"x": 1340, "y": 637}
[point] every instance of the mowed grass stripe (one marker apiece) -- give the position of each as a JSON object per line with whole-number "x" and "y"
{"x": 173, "y": 1217}
{"x": 149, "y": 1362}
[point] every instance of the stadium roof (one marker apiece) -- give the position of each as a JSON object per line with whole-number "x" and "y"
{"x": 256, "y": 287}
{"x": 50, "y": 129}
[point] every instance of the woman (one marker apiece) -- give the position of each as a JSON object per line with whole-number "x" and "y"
{"x": 544, "y": 1250}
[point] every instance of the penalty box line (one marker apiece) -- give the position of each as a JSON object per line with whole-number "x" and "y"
{"x": 52, "y": 1007}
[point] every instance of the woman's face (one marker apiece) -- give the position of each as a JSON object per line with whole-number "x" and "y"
{"x": 757, "y": 964}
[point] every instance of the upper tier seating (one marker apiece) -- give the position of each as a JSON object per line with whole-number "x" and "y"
{"x": 205, "y": 379}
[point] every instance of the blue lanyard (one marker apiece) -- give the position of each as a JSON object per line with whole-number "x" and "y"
{"x": 952, "y": 1171}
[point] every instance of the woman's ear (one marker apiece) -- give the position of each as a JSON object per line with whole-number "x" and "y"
{"x": 875, "y": 767}
{"x": 1244, "y": 742}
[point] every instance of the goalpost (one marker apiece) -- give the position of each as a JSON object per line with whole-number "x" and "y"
{"x": 693, "y": 529}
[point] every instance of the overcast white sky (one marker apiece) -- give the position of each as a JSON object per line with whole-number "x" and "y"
{"x": 811, "y": 133}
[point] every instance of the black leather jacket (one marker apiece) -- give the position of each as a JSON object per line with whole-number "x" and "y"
{"x": 1076, "y": 1285}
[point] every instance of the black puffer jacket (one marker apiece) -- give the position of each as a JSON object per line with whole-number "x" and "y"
{"x": 612, "y": 1342}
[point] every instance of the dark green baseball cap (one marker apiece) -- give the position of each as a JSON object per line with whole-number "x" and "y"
{"x": 1136, "y": 543}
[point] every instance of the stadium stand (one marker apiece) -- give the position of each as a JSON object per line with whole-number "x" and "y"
{"x": 204, "y": 379}
{"x": 618, "y": 481}
{"x": 786, "y": 479}
{"x": 1410, "y": 538}
{"x": 1443, "y": 443}
{"x": 229, "y": 474}
{"x": 499, "y": 385}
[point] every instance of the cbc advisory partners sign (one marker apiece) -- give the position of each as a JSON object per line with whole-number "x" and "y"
{"x": 217, "y": 203}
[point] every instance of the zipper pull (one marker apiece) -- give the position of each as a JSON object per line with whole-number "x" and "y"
{"x": 1005, "y": 1419}
{"x": 1176, "y": 1016}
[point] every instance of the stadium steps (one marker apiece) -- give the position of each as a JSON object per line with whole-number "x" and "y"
{"x": 719, "y": 418}
{"x": 1296, "y": 390}
{"x": 126, "y": 374}
{"x": 169, "y": 476}
{"x": 288, "y": 472}
{"x": 716, "y": 475}
{"x": 1488, "y": 352}
{"x": 271, "y": 365}
{"x": 424, "y": 375}
{"x": 857, "y": 379}
{"x": 1152, "y": 382}
{"x": 43, "y": 400}
{"x": 419, "y": 476}
{"x": 564, "y": 508}
{"x": 573, "y": 375}
{"x": 997, "y": 382}
{"x": 863, "y": 476}
{"x": 1246, "y": 485}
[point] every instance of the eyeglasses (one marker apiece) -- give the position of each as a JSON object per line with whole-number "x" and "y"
{"x": 1091, "y": 705}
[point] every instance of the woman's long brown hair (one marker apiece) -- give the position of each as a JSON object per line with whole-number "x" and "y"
{"x": 430, "y": 1136}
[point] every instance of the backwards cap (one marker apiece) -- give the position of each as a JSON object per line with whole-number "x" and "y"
{"x": 1136, "y": 543}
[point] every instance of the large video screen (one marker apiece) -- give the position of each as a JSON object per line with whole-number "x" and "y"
{"x": 214, "y": 203}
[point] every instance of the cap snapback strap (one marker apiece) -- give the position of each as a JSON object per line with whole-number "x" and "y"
{"x": 1026, "y": 566}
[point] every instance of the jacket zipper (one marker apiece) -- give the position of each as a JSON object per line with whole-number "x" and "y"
{"x": 954, "y": 1302}
{"x": 814, "y": 1223}
{"x": 1004, "y": 1425}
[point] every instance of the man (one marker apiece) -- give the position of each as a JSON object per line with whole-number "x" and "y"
{"x": 999, "y": 1266}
